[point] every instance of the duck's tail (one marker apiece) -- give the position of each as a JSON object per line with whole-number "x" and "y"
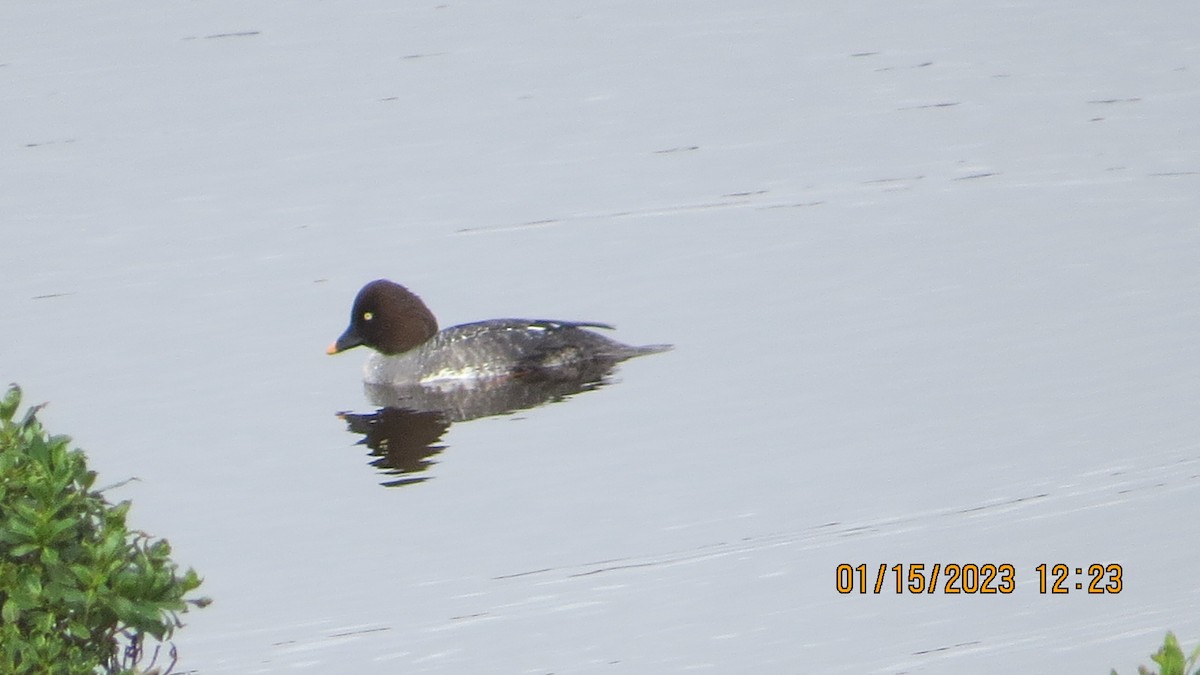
{"x": 642, "y": 350}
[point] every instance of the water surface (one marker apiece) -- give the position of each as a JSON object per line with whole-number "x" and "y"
{"x": 930, "y": 275}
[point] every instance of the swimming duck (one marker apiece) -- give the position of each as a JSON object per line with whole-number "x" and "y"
{"x": 409, "y": 348}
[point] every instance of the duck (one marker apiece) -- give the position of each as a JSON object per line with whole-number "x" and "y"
{"x": 410, "y": 350}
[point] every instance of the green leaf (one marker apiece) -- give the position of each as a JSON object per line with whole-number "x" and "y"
{"x": 22, "y": 550}
{"x": 1170, "y": 657}
{"x": 50, "y": 557}
{"x": 33, "y": 586}
{"x": 10, "y": 403}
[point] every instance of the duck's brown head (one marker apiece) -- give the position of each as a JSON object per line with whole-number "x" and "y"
{"x": 388, "y": 318}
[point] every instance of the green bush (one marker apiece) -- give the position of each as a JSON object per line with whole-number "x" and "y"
{"x": 78, "y": 590}
{"x": 1171, "y": 660}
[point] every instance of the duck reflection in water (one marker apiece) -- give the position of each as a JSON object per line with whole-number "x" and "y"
{"x": 404, "y": 434}
{"x": 425, "y": 380}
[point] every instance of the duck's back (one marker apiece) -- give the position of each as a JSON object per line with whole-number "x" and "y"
{"x": 504, "y": 347}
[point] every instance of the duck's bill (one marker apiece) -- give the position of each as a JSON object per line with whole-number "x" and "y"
{"x": 346, "y": 341}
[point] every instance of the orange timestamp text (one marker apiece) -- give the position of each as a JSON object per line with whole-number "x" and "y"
{"x": 975, "y": 579}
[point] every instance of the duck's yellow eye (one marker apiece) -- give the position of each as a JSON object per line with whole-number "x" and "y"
{"x": 367, "y": 316}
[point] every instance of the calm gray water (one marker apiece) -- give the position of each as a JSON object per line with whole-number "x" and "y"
{"x": 931, "y": 277}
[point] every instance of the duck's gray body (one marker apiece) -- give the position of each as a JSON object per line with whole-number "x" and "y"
{"x": 529, "y": 348}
